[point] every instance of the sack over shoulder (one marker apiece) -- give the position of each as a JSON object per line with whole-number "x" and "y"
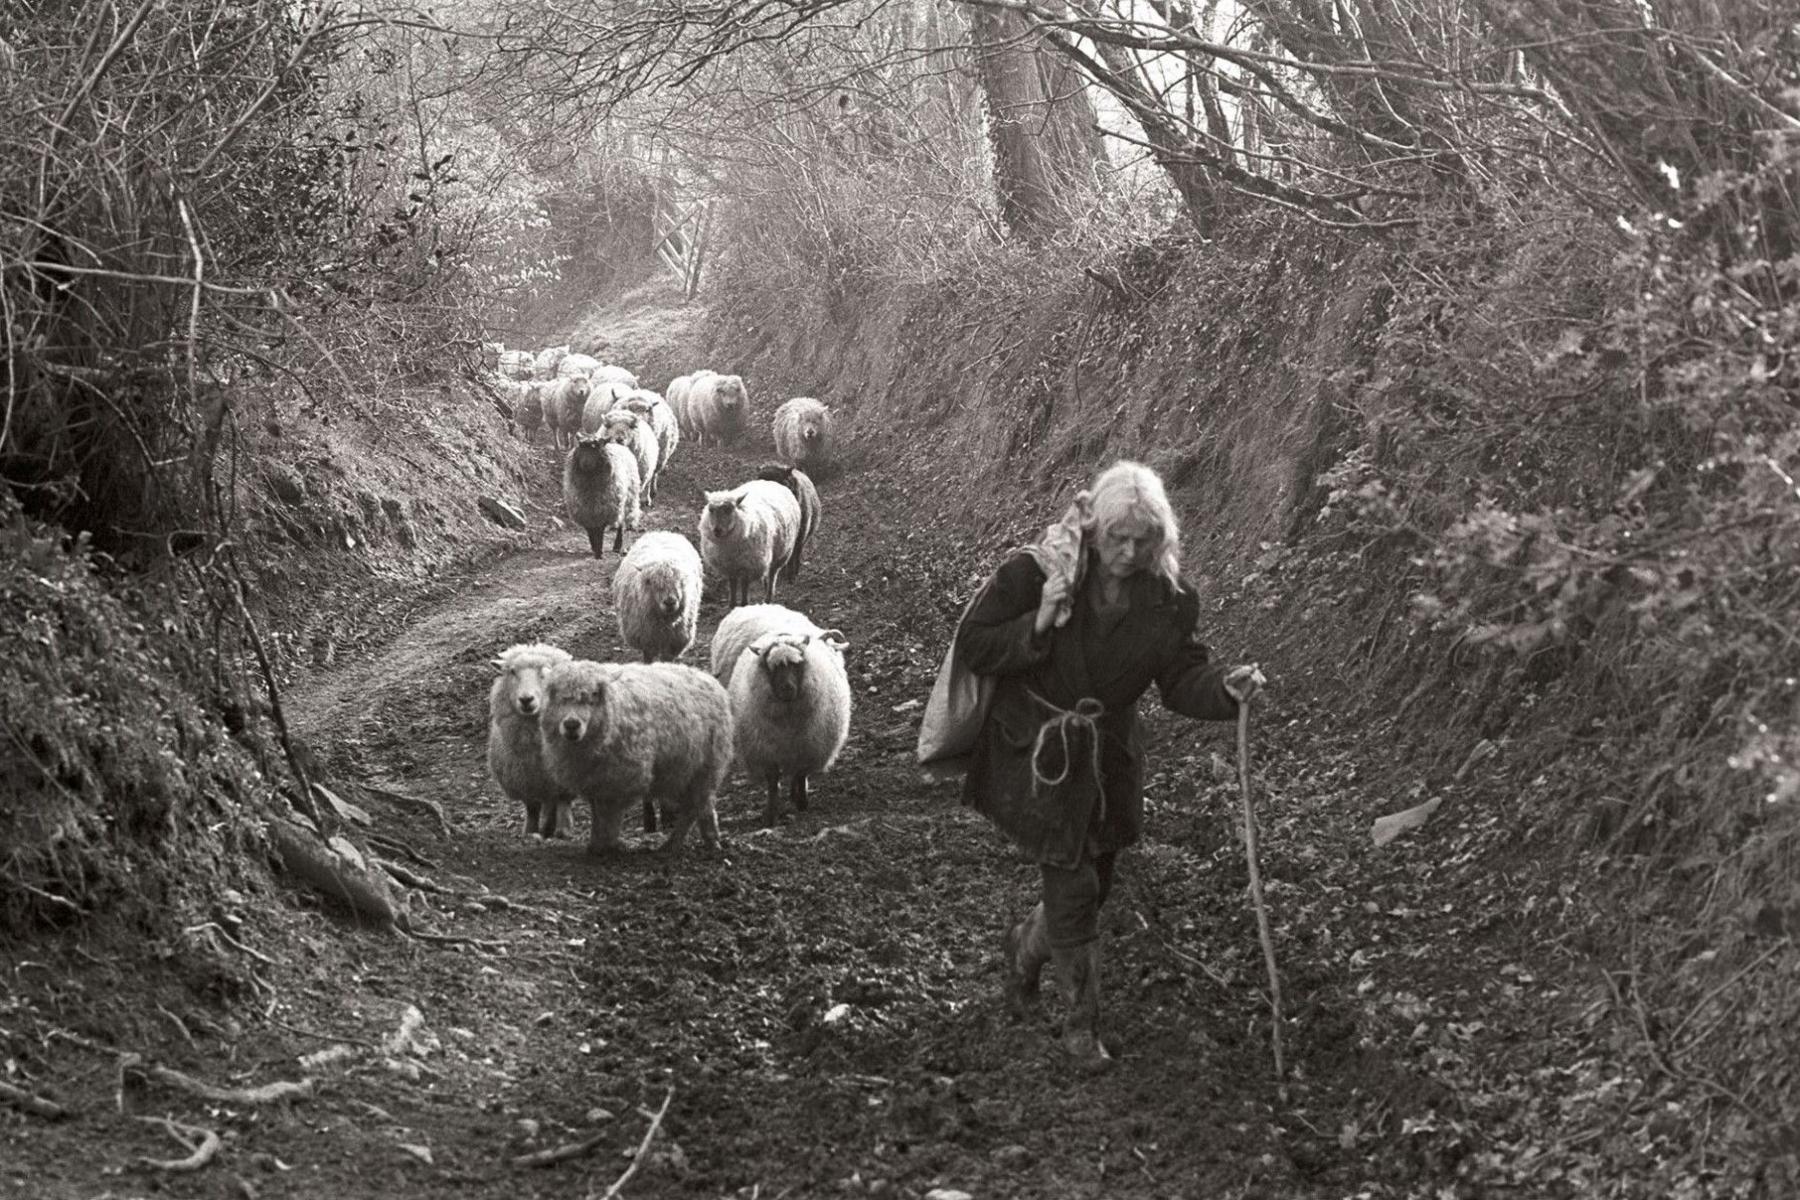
{"x": 958, "y": 706}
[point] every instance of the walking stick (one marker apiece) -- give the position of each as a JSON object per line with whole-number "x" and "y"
{"x": 1256, "y": 888}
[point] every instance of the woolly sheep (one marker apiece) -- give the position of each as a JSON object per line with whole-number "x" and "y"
{"x": 676, "y": 397}
{"x": 657, "y": 589}
{"x": 803, "y": 433}
{"x": 798, "y": 482}
{"x": 545, "y": 364}
{"x": 613, "y": 373}
{"x": 514, "y": 753}
{"x": 741, "y": 626}
{"x": 517, "y": 364}
{"x": 600, "y": 488}
{"x": 790, "y": 707}
{"x": 747, "y": 533}
{"x": 620, "y": 735}
{"x": 633, "y": 432}
{"x": 718, "y": 405}
{"x": 602, "y": 400}
{"x": 648, "y": 404}
{"x": 564, "y": 402}
{"x": 583, "y": 365}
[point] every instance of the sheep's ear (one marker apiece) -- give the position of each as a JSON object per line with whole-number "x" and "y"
{"x": 1084, "y": 504}
{"x": 497, "y": 663}
{"x": 738, "y": 500}
{"x": 761, "y": 645}
{"x": 835, "y": 639}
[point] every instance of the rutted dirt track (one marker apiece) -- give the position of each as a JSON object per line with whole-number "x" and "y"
{"x": 819, "y": 1003}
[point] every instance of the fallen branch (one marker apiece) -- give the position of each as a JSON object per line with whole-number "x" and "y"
{"x": 199, "y": 1155}
{"x": 392, "y": 845}
{"x": 34, "y": 1104}
{"x": 268, "y": 1093}
{"x": 643, "y": 1150}
{"x": 408, "y": 878}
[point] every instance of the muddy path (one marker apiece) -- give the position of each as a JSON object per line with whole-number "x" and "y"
{"x": 818, "y": 1005}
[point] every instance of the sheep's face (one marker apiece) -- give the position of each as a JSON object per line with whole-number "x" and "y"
{"x": 589, "y": 455}
{"x": 640, "y": 405}
{"x": 621, "y": 426}
{"x": 722, "y": 515}
{"x": 663, "y": 585}
{"x": 576, "y": 706}
{"x": 810, "y": 433}
{"x": 578, "y": 389}
{"x": 785, "y": 665}
{"x": 730, "y": 392}
{"x": 522, "y": 686}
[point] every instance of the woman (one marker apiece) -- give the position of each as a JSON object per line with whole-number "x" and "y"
{"x": 1074, "y": 637}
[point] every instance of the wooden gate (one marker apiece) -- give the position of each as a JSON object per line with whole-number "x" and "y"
{"x": 681, "y": 233}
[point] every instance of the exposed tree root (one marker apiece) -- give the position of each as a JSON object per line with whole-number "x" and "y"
{"x": 202, "y": 1144}
{"x": 317, "y": 865}
{"x": 562, "y": 1153}
{"x": 643, "y": 1150}
{"x": 430, "y": 806}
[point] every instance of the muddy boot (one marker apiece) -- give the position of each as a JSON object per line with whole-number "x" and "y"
{"x": 1025, "y": 948}
{"x": 1078, "y": 971}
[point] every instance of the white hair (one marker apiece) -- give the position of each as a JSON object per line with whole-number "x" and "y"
{"x": 1130, "y": 491}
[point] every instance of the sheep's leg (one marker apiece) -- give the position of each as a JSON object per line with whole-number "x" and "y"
{"x": 769, "y": 584}
{"x": 619, "y": 538}
{"x": 597, "y": 542}
{"x": 606, "y": 832}
{"x": 799, "y": 792}
{"x": 709, "y": 823}
{"x": 531, "y": 818}
{"x": 772, "y": 809}
{"x": 649, "y": 811}
{"x": 556, "y": 822}
{"x": 679, "y": 824}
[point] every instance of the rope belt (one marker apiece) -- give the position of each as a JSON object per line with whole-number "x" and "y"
{"x": 1062, "y": 724}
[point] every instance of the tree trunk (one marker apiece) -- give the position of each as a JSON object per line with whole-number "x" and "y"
{"x": 1041, "y": 124}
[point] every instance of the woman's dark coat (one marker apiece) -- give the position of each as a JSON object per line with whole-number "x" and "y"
{"x": 1114, "y": 661}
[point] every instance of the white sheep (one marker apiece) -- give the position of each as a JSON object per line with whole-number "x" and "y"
{"x": 621, "y": 735}
{"x": 564, "y": 401}
{"x": 662, "y": 420}
{"x": 718, "y": 406}
{"x": 657, "y": 590}
{"x": 803, "y": 433}
{"x": 790, "y": 706}
{"x": 603, "y": 398}
{"x": 583, "y": 365}
{"x": 613, "y": 373}
{"x": 545, "y": 364}
{"x": 676, "y": 397}
{"x": 514, "y": 753}
{"x": 798, "y": 482}
{"x": 743, "y": 625}
{"x": 747, "y": 533}
{"x": 634, "y": 433}
{"x": 600, "y": 488}
{"x": 517, "y": 364}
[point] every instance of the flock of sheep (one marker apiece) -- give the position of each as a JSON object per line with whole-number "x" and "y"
{"x": 660, "y": 735}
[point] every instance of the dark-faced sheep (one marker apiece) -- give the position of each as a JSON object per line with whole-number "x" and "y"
{"x": 747, "y": 533}
{"x": 798, "y": 482}
{"x": 790, "y": 704}
{"x": 514, "y": 753}
{"x": 528, "y": 408}
{"x": 803, "y": 433}
{"x": 600, "y": 488}
{"x": 624, "y": 736}
{"x": 633, "y": 432}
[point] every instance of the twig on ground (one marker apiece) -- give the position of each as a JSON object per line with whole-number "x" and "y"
{"x": 219, "y": 932}
{"x": 562, "y": 1153}
{"x": 408, "y": 878}
{"x": 200, "y": 1153}
{"x": 32, "y": 1103}
{"x": 389, "y": 844}
{"x": 643, "y": 1150}
{"x": 268, "y": 1093}
{"x": 180, "y": 1026}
